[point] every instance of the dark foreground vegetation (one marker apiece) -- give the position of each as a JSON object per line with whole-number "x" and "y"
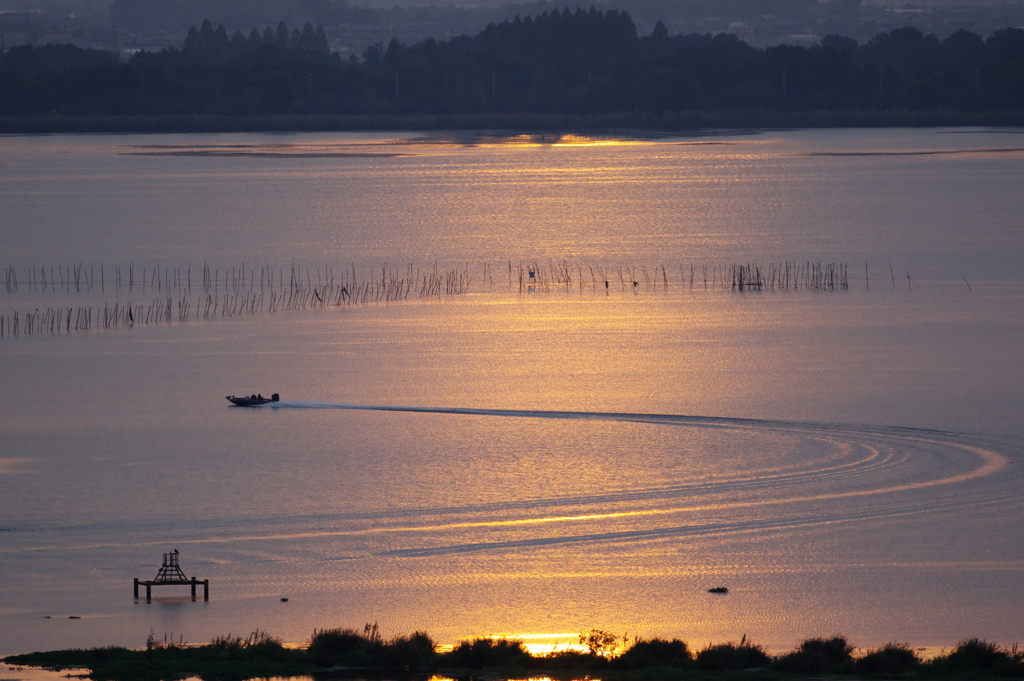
{"x": 366, "y": 653}
{"x": 559, "y": 69}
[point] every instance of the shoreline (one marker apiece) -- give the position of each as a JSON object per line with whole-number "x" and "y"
{"x": 691, "y": 122}
{"x": 349, "y": 652}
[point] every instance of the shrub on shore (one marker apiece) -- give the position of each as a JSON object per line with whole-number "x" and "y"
{"x": 979, "y": 655}
{"x": 892, "y": 658}
{"x": 415, "y": 651}
{"x": 656, "y": 652}
{"x": 258, "y": 641}
{"x": 351, "y": 648}
{"x": 731, "y": 657}
{"x": 568, "y": 659}
{"x": 818, "y": 656}
{"x": 329, "y": 647}
{"x": 487, "y": 653}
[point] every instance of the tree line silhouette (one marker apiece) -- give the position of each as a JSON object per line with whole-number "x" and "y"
{"x": 564, "y": 62}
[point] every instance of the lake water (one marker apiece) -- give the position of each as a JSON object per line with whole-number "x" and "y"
{"x": 563, "y": 457}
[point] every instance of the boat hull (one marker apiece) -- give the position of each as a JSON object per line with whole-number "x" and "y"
{"x": 248, "y": 401}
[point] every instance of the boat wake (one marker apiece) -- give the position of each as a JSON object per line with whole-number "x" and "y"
{"x": 873, "y": 472}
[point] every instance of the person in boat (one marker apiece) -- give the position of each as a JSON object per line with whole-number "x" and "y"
{"x": 259, "y": 396}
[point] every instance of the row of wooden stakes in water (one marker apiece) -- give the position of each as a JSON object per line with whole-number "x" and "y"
{"x": 78, "y": 279}
{"x": 532, "y": 276}
{"x": 390, "y": 287}
{"x": 395, "y": 285}
{"x": 68, "y": 319}
{"x": 786, "y": 276}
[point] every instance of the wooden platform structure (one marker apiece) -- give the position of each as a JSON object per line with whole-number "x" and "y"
{"x": 170, "y": 574}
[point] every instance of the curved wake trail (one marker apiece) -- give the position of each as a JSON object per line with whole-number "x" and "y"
{"x": 994, "y": 461}
{"x": 690, "y": 420}
{"x": 695, "y": 530}
{"x": 525, "y": 413}
{"x": 911, "y": 439}
{"x": 880, "y": 466}
{"x": 529, "y": 413}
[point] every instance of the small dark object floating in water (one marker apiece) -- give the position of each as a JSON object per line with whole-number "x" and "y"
{"x": 284, "y": 600}
{"x": 253, "y": 401}
{"x": 74, "y": 617}
{"x": 718, "y": 590}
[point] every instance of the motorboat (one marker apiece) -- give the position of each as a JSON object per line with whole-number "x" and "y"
{"x": 253, "y": 400}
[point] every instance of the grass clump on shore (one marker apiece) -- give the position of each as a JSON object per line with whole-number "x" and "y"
{"x": 233, "y": 658}
{"x": 731, "y": 657}
{"x": 656, "y": 652}
{"x": 975, "y": 656}
{"x": 484, "y": 653}
{"x": 818, "y": 656}
{"x": 892, "y": 658}
{"x": 368, "y": 650}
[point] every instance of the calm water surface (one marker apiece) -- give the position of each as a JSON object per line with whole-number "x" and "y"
{"x": 845, "y": 461}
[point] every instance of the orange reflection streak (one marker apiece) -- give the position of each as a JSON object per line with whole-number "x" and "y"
{"x": 11, "y": 465}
